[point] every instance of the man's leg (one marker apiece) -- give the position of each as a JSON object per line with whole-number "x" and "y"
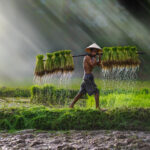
{"x": 97, "y": 100}
{"x": 77, "y": 97}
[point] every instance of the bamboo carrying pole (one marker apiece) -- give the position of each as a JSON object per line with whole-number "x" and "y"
{"x": 101, "y": 54}
{"x": 141, "y": 53}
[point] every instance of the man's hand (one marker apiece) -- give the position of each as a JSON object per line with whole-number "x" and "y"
{"x": 91, "y": 61}
{"x": 100, "y": 56}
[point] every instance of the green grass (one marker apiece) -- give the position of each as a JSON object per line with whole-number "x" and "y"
{"x": 128, "y": 106}
{"x": 112, "y": 94}
{"x": 109, "y": 98}
{"x": 14, "y": 92}
{"x": 128, "y": 99}
{"x": 43, "y": 118}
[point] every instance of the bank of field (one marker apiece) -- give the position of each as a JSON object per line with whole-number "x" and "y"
{"x": 43, "y": 118}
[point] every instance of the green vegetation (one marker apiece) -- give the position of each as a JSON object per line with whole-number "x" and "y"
{"x": 15, "y": 92}
{"x": 120, "y": 57}
{"x": 127, "y": 103}
{"x": 59, "y": 61}
{"x": 121, "y": 98}
{"x": 110, "y": 98}
{"x": 49, "y": 64}
{"x": 39, "y": 69}
{"x": 43, "y": 118}
{"x": 113, "y": 57}
{"x": 69, "y": 64}
{"x": 48, "y": 94}
{"x": 110, "y": 87}
{"x": 63, "y": 61}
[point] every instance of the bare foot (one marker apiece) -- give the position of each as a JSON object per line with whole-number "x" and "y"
{"x": 101, "y": 109}
{"x": 70, "y": 106}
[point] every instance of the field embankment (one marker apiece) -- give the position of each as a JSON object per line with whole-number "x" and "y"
{"x": 43, "y": 118}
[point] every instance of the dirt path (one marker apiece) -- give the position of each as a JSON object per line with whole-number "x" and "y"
{"x": 71, "y": 140}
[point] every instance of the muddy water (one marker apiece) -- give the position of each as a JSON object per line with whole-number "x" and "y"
{"x": 72, "y": 140}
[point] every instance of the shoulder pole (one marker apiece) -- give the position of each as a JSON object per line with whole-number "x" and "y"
{"x": 102, "y": 54}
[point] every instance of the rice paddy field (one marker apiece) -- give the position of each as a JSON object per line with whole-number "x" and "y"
{"x": 44, "y": 106}
{"x": 47, "y": 107}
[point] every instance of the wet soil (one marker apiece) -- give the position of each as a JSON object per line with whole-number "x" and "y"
{"x": 75, "y": 140}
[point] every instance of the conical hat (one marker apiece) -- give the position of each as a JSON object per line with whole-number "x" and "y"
{"x": 94, "y": 45}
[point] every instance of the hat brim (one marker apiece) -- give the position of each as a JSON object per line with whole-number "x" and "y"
{"x": 88, "y": 50}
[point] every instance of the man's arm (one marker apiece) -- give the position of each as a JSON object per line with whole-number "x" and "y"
{"x": 91, "y": 62}
{"x": 99, "y": 62}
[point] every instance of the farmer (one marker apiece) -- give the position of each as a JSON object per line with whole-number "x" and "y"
{"x": 88, "y": 85}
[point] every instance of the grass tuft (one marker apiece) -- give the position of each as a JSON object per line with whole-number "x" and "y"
{"x": 43, "y": 118}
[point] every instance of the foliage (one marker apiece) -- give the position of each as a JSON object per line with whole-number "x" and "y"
{"x": 109, "y": 98}
{"x": 128, "y": 109}
{"x": 39, "y": 69}
{"x": 120, "y": 57}
{"x": 69, "y": 62}
{"x": 113, "y": 57}
{"x": 48, "y": 94}
{"x": 63, "y": 61}
{"x": 49, "y": 63}
{"x": 121, "y": 98}
{"x": 59, "y": 61}
{"x": 14, "y": 92}
{"x": 39, "y": 117}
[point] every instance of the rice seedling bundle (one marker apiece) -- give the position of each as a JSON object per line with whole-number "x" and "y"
{"x": 120, "y": 57}
{"x": 134, "y": 56}
{"x": 69, "y": 61}
{"x": 49, "y": 94}
{"x": 106, "y": 58}
{"x": 57, "y": 67}
{"x": 49, "y": 69}
{"x": 57, "y": 62}
{"x": 60, "y": 61}
{"x": 39, "y": 69}
{"x": 63, "y": 61}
